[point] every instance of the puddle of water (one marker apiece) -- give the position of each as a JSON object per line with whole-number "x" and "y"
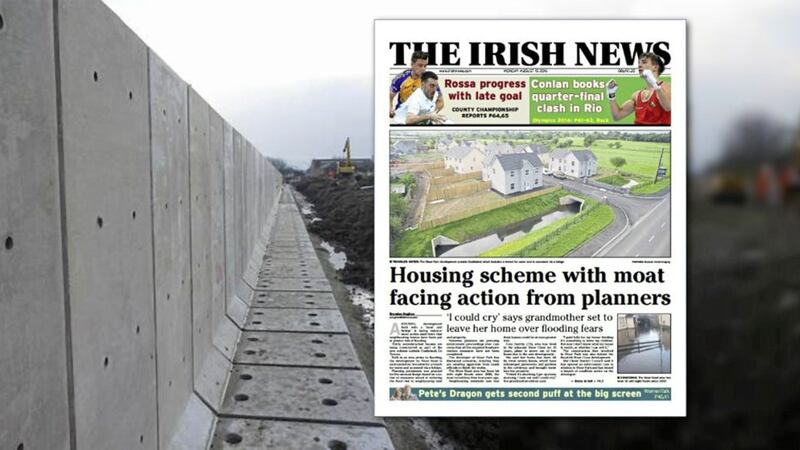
{"x": 306, "y": 208}
{"x": 337, "y": 259}
{"x": 505, "y": 234}
{"x": 654, "y": 358}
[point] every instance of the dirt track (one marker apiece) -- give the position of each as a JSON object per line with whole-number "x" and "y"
{"x": 347, "y": 223}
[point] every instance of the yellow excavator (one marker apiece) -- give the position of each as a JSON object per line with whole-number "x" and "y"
{"x": 346, "y": 167}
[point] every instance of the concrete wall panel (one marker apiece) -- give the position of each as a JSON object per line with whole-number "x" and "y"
{"x": 194, "y": 427}
{"x": 209, "y": 378}
{"x": 217, "y": 206}
{"x": 225, "y": 335}
{"x": 108, "y": 227}
{"x": 33, "y": 361}
{"x": 238, "y": 201}
{"x": 171, "y": 227}
{"x": 248, "y": 199}
{"x": 230, "y": 220}
{"x": 237, "y": 184}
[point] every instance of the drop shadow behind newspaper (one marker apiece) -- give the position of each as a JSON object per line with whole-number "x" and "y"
{"x": 530, "y": 218}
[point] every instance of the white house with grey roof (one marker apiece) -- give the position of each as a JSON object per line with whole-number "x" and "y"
{"x": 497, "y": 148}
{"x": 405, "y": 146}
{"x": 464, "y": 159}
{"x": 515, "y": 172}
{"x": 574, "y": 163}
{"x": 446, "y": 144}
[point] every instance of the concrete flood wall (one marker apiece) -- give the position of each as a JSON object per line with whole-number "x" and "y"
{"x": 130, "y": 211}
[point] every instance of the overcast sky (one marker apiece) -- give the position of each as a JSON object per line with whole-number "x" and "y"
{"x": 296, "y": 77}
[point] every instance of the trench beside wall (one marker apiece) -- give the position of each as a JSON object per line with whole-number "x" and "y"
{"x": 130, "y": 211}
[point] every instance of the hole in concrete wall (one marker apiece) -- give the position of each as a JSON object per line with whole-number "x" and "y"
{"x": 245, "y": 376}
{"x": 260, "y": 302}
{"x": 21, "y": 445}
{"x": 99, "y": 222}
{"x": 133, "y": 215}
{"x": 253, "y": 339}
{"x": 179, "y": 120}
{"x": 182, "y": 282}
{"x": 168, "y": 297}
{"x": 2, "y": 25}
{"x": 249, "y": 352}
{"x": 336, "y": 445}
{"x": 309, "y": 303}
{"x": 9, "y": 243}
{"x": 166, "y": 205}
{"x": 170, "y": 383}
{"x": 312, "y": 314}
{"x": 257, "y": 322}
{"x": 259, "y": 313}
{"x": 95, "y": 77}
{"x": 329, "y": 402}
{"x": 105, "y": 362}
{"x": 241, "y": 397}
{"x": 317, "y": 341}
{"x": 130, "y": 95}
{"x": 233, "y": 438}
{"x": 137, "y": 329}
{"x": 309, "y": 295}
{"x": 319, "y": 355}
{"x": 325, "y": 380}
{"x": 141, "y": 438}
{"x": 164, "y": 112}
{"x": 314, "y": 324}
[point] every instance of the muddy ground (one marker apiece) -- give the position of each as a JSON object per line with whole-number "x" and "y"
{"x": 346, "y": 211}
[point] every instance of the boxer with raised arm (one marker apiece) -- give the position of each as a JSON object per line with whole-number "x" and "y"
{"x": 651, "y": 105}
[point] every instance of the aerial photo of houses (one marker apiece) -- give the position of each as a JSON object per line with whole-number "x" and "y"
{"x": 529, "y": 194}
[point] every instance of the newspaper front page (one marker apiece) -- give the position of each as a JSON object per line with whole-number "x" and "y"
{"x": 530, "y": 216}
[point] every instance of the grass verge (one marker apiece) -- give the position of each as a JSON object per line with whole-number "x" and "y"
{"x": 614, "y": 180}
{"x": 649, "y": 188}
{"x": 417, "y": 243}
{"x": 561, "y": 237}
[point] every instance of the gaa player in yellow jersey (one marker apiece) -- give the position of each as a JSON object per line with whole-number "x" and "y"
{"x": 405, "y": 83}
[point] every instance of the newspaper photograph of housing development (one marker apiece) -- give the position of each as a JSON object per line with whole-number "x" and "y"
{"x": 519, "y": 193}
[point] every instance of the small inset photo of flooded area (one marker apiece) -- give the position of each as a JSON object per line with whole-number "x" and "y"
{"x": 644, "y": 343}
